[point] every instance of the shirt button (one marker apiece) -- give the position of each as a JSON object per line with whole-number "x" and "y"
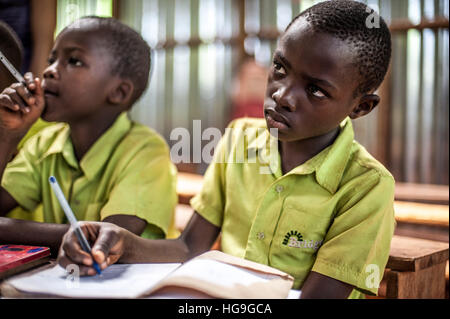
{"x": 279, "y": 188}
{"x": 260, "y": 235}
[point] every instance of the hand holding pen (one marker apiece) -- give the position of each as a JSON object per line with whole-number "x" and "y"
{"x": 21, "y": 104}
{"x": 73, "y": 221}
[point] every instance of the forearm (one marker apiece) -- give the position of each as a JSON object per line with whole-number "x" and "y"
{"x": 141, "y": 250}
{"x": 318, "y": 286}
{"x": 198, "y": 236}
{"x": 16, "y": 231}
{"x": 6, "y": 201}
{"x": 7, "y": 150}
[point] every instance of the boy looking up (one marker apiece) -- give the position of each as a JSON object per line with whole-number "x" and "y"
{"x": 108, "y": 167}
{"x": 324, "y": 213}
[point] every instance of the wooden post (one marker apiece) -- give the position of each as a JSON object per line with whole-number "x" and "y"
{"x": 383, "y": 121}
{"x": 242, "y": 33}
{"x": 116, "y": 9}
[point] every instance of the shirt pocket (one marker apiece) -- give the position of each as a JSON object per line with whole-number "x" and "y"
{"x": 299, "y": 233}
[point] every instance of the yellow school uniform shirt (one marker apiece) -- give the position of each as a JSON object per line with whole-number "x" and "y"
{"x": 126, "y": 171}
{"x": 332, "y": 214}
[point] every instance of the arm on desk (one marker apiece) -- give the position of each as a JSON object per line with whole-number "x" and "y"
{"x": 24, "y": 232}
{"x": 112, "y": 244}
{"x": 318, "y": 286}
{"x": 16, "y": 231}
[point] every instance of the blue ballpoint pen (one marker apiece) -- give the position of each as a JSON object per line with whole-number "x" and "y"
{"x": 73, "y": 221}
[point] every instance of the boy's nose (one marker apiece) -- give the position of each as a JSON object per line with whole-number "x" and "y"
{"x": 51, "y": 72}
{"x": 284, "y": 99}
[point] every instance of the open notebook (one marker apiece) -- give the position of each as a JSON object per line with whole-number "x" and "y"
{"x": 213, "y": 274}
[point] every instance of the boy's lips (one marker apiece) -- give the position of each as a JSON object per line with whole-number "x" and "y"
{"x": 276, "y": 119}
{"x": 50, "y": 90}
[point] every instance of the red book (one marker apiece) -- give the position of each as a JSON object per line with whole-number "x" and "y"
{"x": 18, "y": 258}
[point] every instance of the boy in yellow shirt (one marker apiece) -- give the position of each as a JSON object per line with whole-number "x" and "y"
{"x": 320, "y": 208}
{"x": 108, "y": 167}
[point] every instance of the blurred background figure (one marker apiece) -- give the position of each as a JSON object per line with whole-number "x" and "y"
{"x": 34, "y": 21}
{"x": 12, "y": 48}
{"x": 247, "y": 95}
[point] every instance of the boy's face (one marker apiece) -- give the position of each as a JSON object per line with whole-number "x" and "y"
{"x": 78, "y": 78}
{"x": 311, "y": 84}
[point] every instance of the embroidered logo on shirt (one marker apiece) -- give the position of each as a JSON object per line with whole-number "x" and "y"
{"x": 295, "y": 239}
{"x": 292, "y": 238}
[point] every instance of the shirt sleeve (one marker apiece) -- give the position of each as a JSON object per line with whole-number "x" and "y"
{"x": 146, "y": 188}
{"x": 21, "y": 177}
{"x": 210, "y": 202}
{"x": 356, "y": 247}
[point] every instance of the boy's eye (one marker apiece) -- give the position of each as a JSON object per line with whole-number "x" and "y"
{"x": 316, "y": 91}
{"x": 75, "y": 62}
{"x": 279, "y": 68}
{"x": 50, "y": 61}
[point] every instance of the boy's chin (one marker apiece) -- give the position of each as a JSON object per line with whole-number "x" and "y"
{"x": 49, "y": 116}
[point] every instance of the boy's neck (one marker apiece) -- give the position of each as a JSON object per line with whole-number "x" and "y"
{"x": 296, "y": 153}
{"x": 84, "y": 134}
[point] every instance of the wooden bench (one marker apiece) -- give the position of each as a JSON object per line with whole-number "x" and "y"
{"x": 426, "y": 221}
{"x": 188, "y": 185}
{"x": 422, "y": 193}
{"x": 417, "y": 267}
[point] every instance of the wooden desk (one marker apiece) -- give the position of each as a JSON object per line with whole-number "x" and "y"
{"x": 415, "y": 269}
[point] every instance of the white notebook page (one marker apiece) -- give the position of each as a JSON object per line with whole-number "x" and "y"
{"x": 116, "y": 281}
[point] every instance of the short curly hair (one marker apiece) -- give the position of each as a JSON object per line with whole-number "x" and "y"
{"x": 346, "y": 20}
{"x": 131, "y": 53}
{"x": 10, "y": 45}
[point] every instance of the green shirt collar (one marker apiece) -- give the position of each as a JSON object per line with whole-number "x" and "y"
{"x": 329, "y": 164}
{"x": 331, "y": 170}
{"x": 100, "y": 151}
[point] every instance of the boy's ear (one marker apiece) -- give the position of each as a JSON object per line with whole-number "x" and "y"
{"x": 121, "y": 93}
{"x": 366, "y": 104}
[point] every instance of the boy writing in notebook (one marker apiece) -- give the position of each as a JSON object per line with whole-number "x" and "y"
{"x": 108, "y": 167}
{"x": 324, "y": 212}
